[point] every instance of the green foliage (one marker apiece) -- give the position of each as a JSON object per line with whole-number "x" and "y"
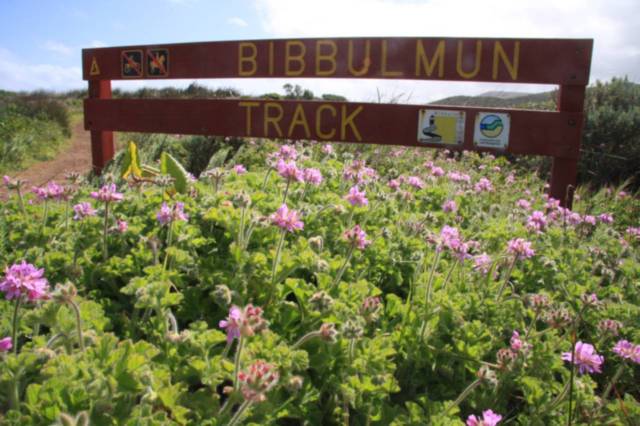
{"x": 397, "y": 333}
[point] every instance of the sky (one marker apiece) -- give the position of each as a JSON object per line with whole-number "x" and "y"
{"x": 41, "y": 40}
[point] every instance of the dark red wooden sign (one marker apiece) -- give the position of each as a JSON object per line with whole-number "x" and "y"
{"x": 557, "y": 134}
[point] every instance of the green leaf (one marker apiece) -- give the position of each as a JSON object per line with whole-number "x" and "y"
{"x": 171, "y": 167}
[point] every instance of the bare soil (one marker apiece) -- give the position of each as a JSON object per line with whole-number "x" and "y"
{"x": 76, "y": 157}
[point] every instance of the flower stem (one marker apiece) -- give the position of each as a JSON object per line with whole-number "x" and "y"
{"x": 305, "y": 339}
{"x": 76, "y": 310}
{"x": 276, "y": 260}
{"x": 14, "y": 332}
{"x": 236, "y": 363}
{"x": 105, "y": 254}
{"x": 336, "y": 281}
{"x": 429, "y": 289}
{"x": 573, "y": 370}
{"x": 169, "y": 241}
{"x": 448, "y": 277}
{"x": 236, "y": 417}
{"x": 266, "y": 179}
{"x": 21, "y": 202}
{"x": 465, "y": 393}
{"x": 241, "y": 229}
{"x": 44, "y": 215}
{"x": 613, "y": 381}
{"x": 506, "y": 278}
{"x": 286, "y": 191}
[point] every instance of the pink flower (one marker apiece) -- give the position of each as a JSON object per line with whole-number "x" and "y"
{"x": 537, "y": 222}
{"x": 168, "y": 214}
{"x": 107, "y": 193}
{"x": 287, "y": 219}
{"x": 415, "y": 182}
{"x": 482, "y": 263}
{"x": 313, "y": 176}
{"x": 449, "y": 206}
{"x": 289, "y": 171}
{"x": 239, "y": 169}
{"x": 52, "y": 191}
{"x": 24, "y": 280}
{"x": 627, "y": 350}
{"x": 458, "y": 177}
{"x": 489, "y": 418}
{"x": 287, "y": 153}
{"x": 394, "y": 184}
{"x": 357, "y": 237}
{"x": 243, "y": 322}
{"x": 589, "y": 219}
{"x": 83, "y": 210}
{"x": 520, "y": 248}
{"x": 327, "y": 149}
{"x": 356, "y": 197}
{"x": 232, "y": 323}
{"x": 259, "y": 379}
{"x": 552, "y": 203}
{"x": 605, "y": 218}
{"x": 523, "y": 204}
{"x": 122, "y": 226}
{"x": 586, "y": 358}
{"x": 6, "y": 344}
{"x": 437, "y": 171}
{"x": 483, "y": 185}
{"x": 515, "y": 342}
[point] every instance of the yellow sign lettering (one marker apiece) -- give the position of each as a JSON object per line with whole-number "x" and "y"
{"x": 323, "y": 57}
{"x": 299, "y": 119}
{"x": 321, "y": 134}
{"x": 244, "y": 59}
{"x": 385, "y": 72}
{"x": 366, "y": 62}
{"x": 248, "y": 105}
{"x": 348, "y": 120}
{"x": 290, "y": 57}
{"x": 478, "y": 56}
{"x": 511, "y": 66}
{"x": 429, "y": 65}
{"x": 274, "y": 120}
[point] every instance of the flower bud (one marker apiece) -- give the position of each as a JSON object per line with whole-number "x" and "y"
{"x": 316, "y": 243}
{"x": 487, "y": 375}
{"x": 328, "y": 332}
{"x": 222, "y": 295}
{"x": 241, "y": 200}
{"x": 295, "y": 383}
{"x": 321, "y": 301}
{"x": 352, "y": 329}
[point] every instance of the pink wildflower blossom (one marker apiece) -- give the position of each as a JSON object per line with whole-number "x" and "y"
{"x": 313, "y": 176}
{"x": 243, "y": 322}
{"x": 627, "y": 350}
{"x": 394, "y": 184}
{"x": 287, "y": 153}
{"x": 259, "y": 379}
{"x": 356, "y": 197}
{"x": 107, "y": 193}
{"x": 523, "y": 204}
{"x": 537, "y": 221}
{"x": 515, "y": 342}
{"x": 449, "y": 206}
{"x": 415, "y": 182}
{"x": 357, "y": 237}
{"x": 437, "y": 171}
{"x": 23, "y": 279}
{"x": 239, "y": 169}
{"x": 289, "y": 171}
{"x": 83, "y": 210}
{"x": 520, "y": 248}
{"x": 6, "y": 344}
{"x": 168, "y": 214}
{"x": 483, "y": 185}
{"x": 287, "y": 219}
{"x": 327, "y": 149}
{"x": 585, "y": 358}
{"x": 52, "y": 191}
{"x": 482, "y": 263}
{"x": 605, "y": 218}
{"x": 123, "y": 226}
{"x": 489, "y": 418}
{"x": 589, "y": 219}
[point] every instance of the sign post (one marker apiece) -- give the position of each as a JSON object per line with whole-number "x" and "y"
{"x": 557, "y": 134}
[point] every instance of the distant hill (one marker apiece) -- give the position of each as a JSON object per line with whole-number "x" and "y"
{"x": 497, "y": 99}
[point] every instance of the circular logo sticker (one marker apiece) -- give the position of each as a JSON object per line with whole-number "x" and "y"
{"x": 491, "y": 126}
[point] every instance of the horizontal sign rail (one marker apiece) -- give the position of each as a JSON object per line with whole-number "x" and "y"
{"x": 544, "y": 61}
{"x": 530, "y": 132}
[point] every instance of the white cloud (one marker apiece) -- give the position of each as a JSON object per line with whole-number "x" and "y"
{"x": 610, "y": 23}
{"x": 57, "y": 47}
{"x": 238, "y": 22}
{"x": 15, "y": 74}
{"x": 98, "y": 43}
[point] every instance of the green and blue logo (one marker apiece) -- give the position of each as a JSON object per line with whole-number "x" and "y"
{"x": 491, "y": 126}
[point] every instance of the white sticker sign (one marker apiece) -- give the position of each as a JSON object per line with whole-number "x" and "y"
{"x": 439, "y": 126}
{"x": 491, "y": 130}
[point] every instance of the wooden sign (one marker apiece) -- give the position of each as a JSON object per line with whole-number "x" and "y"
{"x": 564, "y": 62}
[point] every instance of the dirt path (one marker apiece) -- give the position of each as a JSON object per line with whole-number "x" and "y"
{"x": 75, "y": 157}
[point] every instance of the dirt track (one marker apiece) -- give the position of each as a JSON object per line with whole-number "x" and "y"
{"x": 75, "y": 157}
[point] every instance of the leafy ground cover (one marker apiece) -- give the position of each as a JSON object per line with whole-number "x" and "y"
{"x": 311, "y": 284}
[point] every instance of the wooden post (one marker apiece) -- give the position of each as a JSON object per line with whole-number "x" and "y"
{"x": 102, "y": 146}
{"x": 564, "y": 171}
